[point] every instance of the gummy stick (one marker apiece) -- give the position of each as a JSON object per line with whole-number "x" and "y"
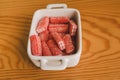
{"x": 58, "y": 28}
{"x": 72, "y": 28}
{"x": 68, "y": 44}
{"x": 43, "y": 24}
{"x": 54, "y": 48}
{"x": 36, "y": 45}
{"x": 45, "y": 49}
{"x": 58, "y": 20}
{"x": 58, "y": 40}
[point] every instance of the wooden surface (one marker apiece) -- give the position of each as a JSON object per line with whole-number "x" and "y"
{"x": 100, "y": 58}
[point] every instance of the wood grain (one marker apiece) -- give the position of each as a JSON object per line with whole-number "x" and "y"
{"x": 100, "y": 58}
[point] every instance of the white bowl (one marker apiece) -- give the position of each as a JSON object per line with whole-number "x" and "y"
{"x": 56, "y": 62}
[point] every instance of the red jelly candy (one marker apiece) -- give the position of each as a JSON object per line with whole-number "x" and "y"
{"x": 36, "y": 45}
{"x": 54, "y": 48}
{"x": 58, "y": 28}
{"x": 58, "y": 20}
{"x": 68, "y": 44}
{"x": 58, "y": 40}
{"x": 43, "y": 24}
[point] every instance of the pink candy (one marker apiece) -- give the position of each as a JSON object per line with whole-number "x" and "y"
{"x": 59, "y": 20}
{"x": 62, "y": 28}
{"x": 43, "y": 24}
{"x": 58, "y": 40}
{"x": 54, "y": 37}
{"x": 36, "y": 45}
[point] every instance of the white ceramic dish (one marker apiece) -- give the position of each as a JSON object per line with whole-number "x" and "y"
{"x": 56, "y": 62}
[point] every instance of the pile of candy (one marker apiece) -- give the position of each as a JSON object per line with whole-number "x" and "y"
{"x": 55, "y": 37}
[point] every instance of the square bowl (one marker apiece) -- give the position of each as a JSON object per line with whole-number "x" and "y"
{"x": 56, "y": 62}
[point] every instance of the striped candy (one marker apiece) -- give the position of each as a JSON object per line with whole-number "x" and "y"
{"x": 62, "y": 28}
{"x": 58, "y": 40}
{"x": 59, "y": 20}
{"x": 68, "y": 44}
{"x": 54, "y": 48}
{"x": 42, "y": 25}
{"x": 36, "y": 45}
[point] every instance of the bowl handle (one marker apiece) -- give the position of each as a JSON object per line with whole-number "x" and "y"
{"x": 62, "y": 66}
{"x": 50, "y": 6}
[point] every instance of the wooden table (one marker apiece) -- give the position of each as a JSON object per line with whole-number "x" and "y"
{"x": 100, "y": 58}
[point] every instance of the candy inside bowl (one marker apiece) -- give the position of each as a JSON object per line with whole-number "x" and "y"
{"x": 55, "y": 36}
